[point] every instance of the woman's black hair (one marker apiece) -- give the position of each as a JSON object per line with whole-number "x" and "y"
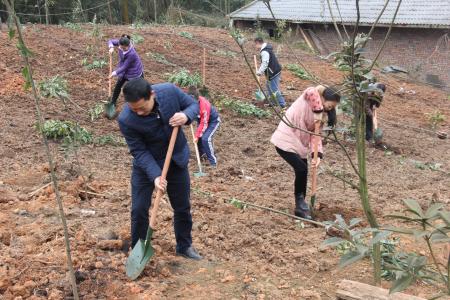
{"x": 125, "y": 40}
{"x": 330, "y": 94}
{"x": 193, "y": 91}
{"x": 136, "y": 89}
{"x": 259, "y": 40}
{"x": 332, "y": 118}
{"x": 381, "y": 86}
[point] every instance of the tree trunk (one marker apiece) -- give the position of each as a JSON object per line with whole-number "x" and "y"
{"x": 125, "y": 16}
{"x": 363, "y": 187}
{"x": 155, "y": 11}
{"x": 110, "y": 13}
{"x": 47, "y": 17}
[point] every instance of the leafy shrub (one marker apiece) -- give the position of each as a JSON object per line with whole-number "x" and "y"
{"x": 55, "y": 87}
{"x": 243, "y": 108}
{"x": 184, "y": 78}
{"x": 137, "y": 38}
{"x": 435, "y": 118}
{"x": 110, "y": 139}
{"x": 225, "y": 53}
{"x": 160, "y": 58}
{"x": 298, "y": 71}
{"x": 72, "y": 26}
{"x": 186, "y": 34}
{"x": 96, "y": 111}
{"x": 96, "y": 64}
{"x": 67, "y": 131}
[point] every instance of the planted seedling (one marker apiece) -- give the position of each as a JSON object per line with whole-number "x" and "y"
{"x": 298, "y": 71}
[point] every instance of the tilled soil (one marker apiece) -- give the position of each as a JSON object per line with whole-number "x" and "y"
{"x": 249, "y": 253}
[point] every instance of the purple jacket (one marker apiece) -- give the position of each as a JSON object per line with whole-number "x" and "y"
{"x": 130, "y": 64}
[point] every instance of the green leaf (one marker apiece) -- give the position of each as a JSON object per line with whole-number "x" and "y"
{"x": 433, "y": 210}
{"x": 350, "y": 258}
{"x": 354, "y": 222}
{"x": 401, "y": 283}
{"x": 445, "y": 216}
{"x": 11, "y": 33}
{"x": 414, "y": 207}
{"x": 24, "y": 51}
{"x": 26, "y": 75}
{"x": 331, "y": 242}
{"x": 400, "y": 230}
{"x": 439, "y": 237}
{"x": 379, "y": 237}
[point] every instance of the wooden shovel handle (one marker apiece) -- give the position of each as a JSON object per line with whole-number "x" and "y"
{"x": 196, "y": 150}
{"x": 315, "y": 156}
{"x": 204, "y": 66}
{"x": 165, "y": 169}
{"x": 256, "y": 68}
{"x": 110, "y": 79}
{"x": 375, "y": 119}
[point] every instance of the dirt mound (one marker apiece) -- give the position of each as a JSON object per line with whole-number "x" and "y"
{"x": 249, "y": 253}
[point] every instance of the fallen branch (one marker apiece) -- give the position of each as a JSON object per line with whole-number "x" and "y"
{"x": 320, "y": 224}
{"x": 39, "y": 189}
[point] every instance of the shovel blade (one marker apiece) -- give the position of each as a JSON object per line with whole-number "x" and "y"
{"x": 140, "y": 255}
{"x": 110, "y": 110}
{"x": 200, "y": 174}
{"x": 312, "y": 204}
{"x": 378, "y": 135}
{"x": 259, "y": 95}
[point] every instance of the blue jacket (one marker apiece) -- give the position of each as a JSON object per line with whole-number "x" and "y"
{"x": 148, "y": 144}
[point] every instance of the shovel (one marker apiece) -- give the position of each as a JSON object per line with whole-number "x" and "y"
{"x": 200, "y": 169}
{"x": 314, "y": 168}
{"x": 378, "y": 133}
{"x": 110, "y": 108}
{"x": 259, "y": 95}
{"x": 143, "y": 250}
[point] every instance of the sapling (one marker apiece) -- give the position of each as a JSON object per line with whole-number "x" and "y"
{"x": 28, "y": 75}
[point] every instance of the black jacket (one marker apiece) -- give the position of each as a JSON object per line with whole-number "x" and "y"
{"x": 274, "y": 67}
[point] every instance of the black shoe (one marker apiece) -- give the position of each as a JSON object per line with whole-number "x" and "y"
{"x": 190, "y": 253}
{"x": 302, "y": 208}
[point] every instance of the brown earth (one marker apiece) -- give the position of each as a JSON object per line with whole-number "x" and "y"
{"x": 249, "y": 254}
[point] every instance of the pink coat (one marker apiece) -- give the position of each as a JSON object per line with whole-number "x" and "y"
{"x": 302, "y": 113}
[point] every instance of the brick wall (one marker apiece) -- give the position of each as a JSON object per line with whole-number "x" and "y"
{"x": 423, "y": 52}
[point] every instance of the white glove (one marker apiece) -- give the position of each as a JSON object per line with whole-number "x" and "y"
{"x": 111, "y": 50}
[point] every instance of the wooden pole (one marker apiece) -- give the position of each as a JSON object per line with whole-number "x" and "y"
{"x": 110, "y": 13}
{"x": 46, "y": 13}
{"x": 156, "y": 14}
{"x": 204, "y": 67}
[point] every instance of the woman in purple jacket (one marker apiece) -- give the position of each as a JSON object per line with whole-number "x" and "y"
{"x": 130, "y": 64}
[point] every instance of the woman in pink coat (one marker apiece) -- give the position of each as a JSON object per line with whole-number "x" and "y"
{"x": 294, "y": 145}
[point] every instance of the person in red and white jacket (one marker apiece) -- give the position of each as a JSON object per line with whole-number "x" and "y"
{"x": 208, "y": 123}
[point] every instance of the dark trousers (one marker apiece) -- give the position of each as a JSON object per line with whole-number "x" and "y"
{"x": 178, "y": 189}
{"x": 369, "y": 127}
{"x": 118, "y": 88}
{"x": 205, "y": 143}
{"x": 300, "y": 166}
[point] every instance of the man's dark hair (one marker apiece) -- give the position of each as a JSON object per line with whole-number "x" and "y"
{"x": 125, "y": 40}
{"x": 259, "y": 40}
{"x": 331, "y": 94}
{"x": 137, "y": 89}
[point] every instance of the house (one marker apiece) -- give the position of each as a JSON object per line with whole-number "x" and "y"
{"x": 419, "y": 41}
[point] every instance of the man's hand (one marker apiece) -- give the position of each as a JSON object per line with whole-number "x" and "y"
{"x": 258, "y": 73}
{"x": 111, "y": 50}
{"x": 195, "y": 140}
{"x": 113, "y": 74}
{"x": 314, "y": 163}
{"x": 160, "y": 184}
{"x": 178, "y": 119}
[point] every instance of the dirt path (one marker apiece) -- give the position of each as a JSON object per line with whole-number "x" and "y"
{"x": 249, "y": 254}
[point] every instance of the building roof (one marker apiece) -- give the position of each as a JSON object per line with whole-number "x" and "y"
{"x": 412, "y": 13}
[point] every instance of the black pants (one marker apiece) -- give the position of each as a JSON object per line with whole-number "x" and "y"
{"x": 300, "y": 166}
{"x": 369, "y": 127}
{"x": 118, "y": 88}
{"x": 178, "y": 189}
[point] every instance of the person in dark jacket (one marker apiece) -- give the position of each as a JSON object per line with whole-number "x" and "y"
{"x": 271, "y": 68}
{"x": 130, "y": 64}
{"x": 146, "y": 122}
{"x": 372, "y": 104}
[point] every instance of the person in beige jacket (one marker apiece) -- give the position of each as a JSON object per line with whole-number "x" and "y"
{"x": 294, "y": 145}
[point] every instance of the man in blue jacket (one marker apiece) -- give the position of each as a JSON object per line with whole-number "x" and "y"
{"x": 146, "y": 122}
